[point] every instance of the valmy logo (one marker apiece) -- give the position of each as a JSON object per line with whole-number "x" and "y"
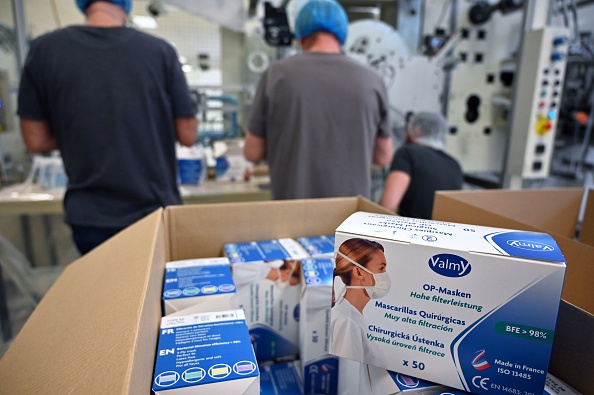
{"x": 530, "y": 245}
{"x": 449, "y": 265}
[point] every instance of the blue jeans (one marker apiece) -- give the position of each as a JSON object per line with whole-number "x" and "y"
{"x": 88, "y": 237}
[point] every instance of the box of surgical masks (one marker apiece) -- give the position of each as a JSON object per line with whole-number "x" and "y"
{"x": 206, "y": 353}
{"x": 320, "y": 369}
{"x": 318, "y": 246}
{"x": 385, "y": 382}
{"x": 267, "y": 275}
{"x": 280, "y": 379}
{"x": 470, "y": 307}
{"x": 201, "y": 285}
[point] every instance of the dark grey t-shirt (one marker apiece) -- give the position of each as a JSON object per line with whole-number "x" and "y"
{"x": 320, "y": 114}
{"x": 111, "y": 96}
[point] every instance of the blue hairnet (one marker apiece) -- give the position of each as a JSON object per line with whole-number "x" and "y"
{"x": 322, "y": 15}
{"x": 125, "y": 4}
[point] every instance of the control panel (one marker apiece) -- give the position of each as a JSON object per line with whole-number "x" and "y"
{"x": 537, "y": 102}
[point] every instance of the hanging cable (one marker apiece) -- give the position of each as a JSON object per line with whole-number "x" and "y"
{"x": 56, "y": 14}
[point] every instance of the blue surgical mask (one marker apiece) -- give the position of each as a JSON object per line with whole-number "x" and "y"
{"x": 382, "y": 281}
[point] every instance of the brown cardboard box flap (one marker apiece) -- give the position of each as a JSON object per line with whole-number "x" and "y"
{"x": 81, "y": 337}
{"x": 198, "y": 234}
{"x": 555, "y": 210}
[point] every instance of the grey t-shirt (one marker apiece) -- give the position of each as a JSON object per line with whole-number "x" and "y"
{"x": 320, "y": 114}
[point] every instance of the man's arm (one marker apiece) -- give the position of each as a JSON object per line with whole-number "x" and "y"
{"x": 37, "y": 136}
{"x": 186, "y": 130}
{"x": 254, "y": 148}
{"x": 383, "y": 151}
{"x": 394, "y": 189}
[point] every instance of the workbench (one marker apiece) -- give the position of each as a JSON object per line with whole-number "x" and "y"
{"x": 24, "y": 201}
{"x": 31, "y": 199}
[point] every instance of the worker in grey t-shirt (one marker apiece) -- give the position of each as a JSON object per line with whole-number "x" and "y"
{"x": 320, "y": 118}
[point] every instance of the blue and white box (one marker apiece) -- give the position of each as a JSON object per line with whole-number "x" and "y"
{"x": 318, "y": 246}
{"x": 385, "y": 382}
{"x": 205, "y": 353}
{"x": 267, "y": 275}
{"x": 280, "y": 379}
{"x": 320, "y": 369}
{"x": 470, "y": 307}
{"x": 201, "y": 285}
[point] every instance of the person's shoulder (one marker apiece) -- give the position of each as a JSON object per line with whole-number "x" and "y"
{"x": 53, "y": 35}
{"x": 149, "y": 38}
{"x": 48, "y": 42}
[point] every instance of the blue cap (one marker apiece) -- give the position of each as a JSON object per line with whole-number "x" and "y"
{"x": 322, "y": 15}
{"x": 125, "y": 4}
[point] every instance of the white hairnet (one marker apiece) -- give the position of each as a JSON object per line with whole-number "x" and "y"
{"x": 432, "y": 128}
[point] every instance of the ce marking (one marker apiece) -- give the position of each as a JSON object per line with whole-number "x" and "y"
{"x": 429, "y": 238}
{"x": 482, "y": 382}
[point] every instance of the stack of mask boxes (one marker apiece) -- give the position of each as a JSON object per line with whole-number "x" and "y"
{"x": 267, "y": 274}
{"x": 204, "y": 344}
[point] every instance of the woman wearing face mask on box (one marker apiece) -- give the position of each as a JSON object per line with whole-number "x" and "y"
{"x": 361, "y": 265}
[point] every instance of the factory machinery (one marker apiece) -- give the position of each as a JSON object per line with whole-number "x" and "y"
{"x": 514, "y": 79}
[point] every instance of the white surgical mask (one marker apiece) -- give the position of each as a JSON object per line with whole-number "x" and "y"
{"x": 382, "y": 281}
{"x": 280, "y": 284}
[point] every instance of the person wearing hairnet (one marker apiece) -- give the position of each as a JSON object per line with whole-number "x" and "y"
{"x": 420, "y": 168}
{"x": 361, "y": 266}
{"x": 114, "y": 101}
{"x": 320, "y": 118}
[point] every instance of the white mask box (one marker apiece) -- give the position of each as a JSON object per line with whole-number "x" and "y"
{"x": 318, "y": 246}
{"x": 469, "y": 307}
{"x": 267, "y": 275}
{"x": 198, "y": 285}
{"x": 206, "y": 353}
{"x": 320, "y": 369}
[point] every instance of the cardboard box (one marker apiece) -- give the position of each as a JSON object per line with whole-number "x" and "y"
{"x": 202, "y": 284}
{"x": 320, "y": 369}
{"x": 554, "y": 211}
{"x": 456, "y": 301}
{"x": 95, "y": 331}
{"x": 267, "y": 274}
{"x": 204, "y": 354}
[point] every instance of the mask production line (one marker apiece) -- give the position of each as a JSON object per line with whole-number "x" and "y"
{"x": 514, "y": 78}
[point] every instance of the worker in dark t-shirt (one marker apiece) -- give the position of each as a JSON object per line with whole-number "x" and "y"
{"x": 420, "y": 168}
{"x": 114, "y": 101}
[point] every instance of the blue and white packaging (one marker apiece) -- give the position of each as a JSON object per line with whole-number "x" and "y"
{"x": 385, "y": 382}
{"x": 267, "y": 275}
{"x": 205, "y": 353}
{"x": 470, "y": 307}
{"x": 201, "y": 285}
{"x": 320, "y": 369}
{"x": 191, "y": 164}
{"x": 318, "y": 246}
{"x": 280, "y": 379}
